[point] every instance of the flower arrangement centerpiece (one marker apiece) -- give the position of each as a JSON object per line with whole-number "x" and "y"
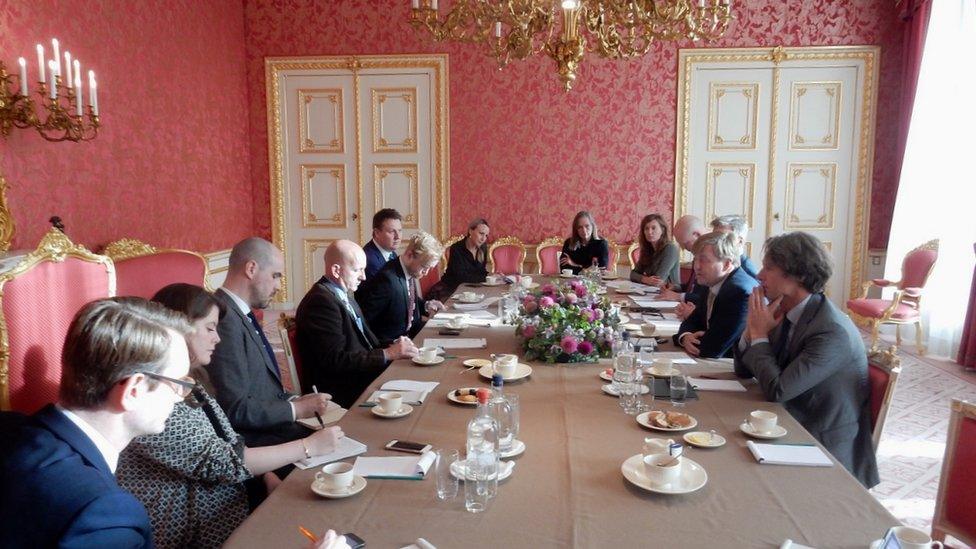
{"x": 567, "y": 322}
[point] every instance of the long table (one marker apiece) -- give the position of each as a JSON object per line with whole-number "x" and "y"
{"x": 567, "y": 489}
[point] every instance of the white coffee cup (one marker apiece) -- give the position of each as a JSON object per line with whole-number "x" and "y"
{"x": 390, "y": 403}
{"x": 654, "y": 445}
{"x": 762, "y": 421}
{"x": 525, "y": 281}
{"x": 335, "y": 476}
{"x": 658, "y": 472}
{"x": 648, "y": 329}
{"x": 492, "y": 279}
{"x": 624, "y": 285}
{"x": 428, "y": 354}
{"x": 567, "y": 272}
{"x": 662, "y": 366}
{"x": 457, "y": 322}
{"x": 468, "y": 296}
{"x": 911, "y": 538}
{"x": 506, "y": 365}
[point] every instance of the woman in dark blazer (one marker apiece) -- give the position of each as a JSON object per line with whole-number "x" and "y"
{"x": 467, "y": 261}
{"x": 657, "y": 263}
{"x": 584, "y": 246}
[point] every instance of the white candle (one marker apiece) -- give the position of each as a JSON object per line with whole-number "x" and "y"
{"x": 57, "y": 57}
{"x": 415, "y": 4}
{"x": 433, "y": 5}
{"x": 77, "y": 90}
{"x": 23, "y": 76}
{"x": 77, "y": 72}
{"x": 67, "y": 69}
{"x": 54, "y": 85}
{"x": 498, "y": 29}
{"x": 93, "y": 89}
{"x": 701, "y": 3}
{"x": 40, "y": 62}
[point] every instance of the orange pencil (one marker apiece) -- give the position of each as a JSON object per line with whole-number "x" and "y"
{"x": 308, "y": 534}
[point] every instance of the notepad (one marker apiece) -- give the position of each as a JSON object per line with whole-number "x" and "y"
{"x": 716, "y": 384}
{"x": 456, "y": 343}
{"x": 346, "y": 448}
{"x": 789, "y": 454}
{"x": 409, "y": 385}
{"x": 407, "y": 468}
{"x": 332, "y": 415}
{"x": 655, "y": 303}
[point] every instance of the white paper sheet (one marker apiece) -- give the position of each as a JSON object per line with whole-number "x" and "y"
{"x": 456, "y": 343}
{"x": 641, "y": 302}
{"x": 408, "y": 467}
{"x": 789, "y": 454}
{"x": 483, "y": 304}
{"x": 346, "y": 448}
{"x": 716, "y": 384}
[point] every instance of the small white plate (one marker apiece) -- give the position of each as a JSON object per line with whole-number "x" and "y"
{"x": 404, "y": 410}
{"x": 605, "y": 376}
{"x": 422, "y": 362}
{"x": 358, "y": 483}
{"x": 567, "y": 276}
{"x": 490, "y": 284}
{"x": 644, "y": 419}
{"x": 452, "y": 396}
{"x": 693, "y": 476}
{"x": 477, "y": 362}
{"x": 704, "y": 440}
{"x": 778, "y": 432}
{"x": 477, "y": 298}
{"x": 657, "y": 371}
{"x": 612, "y": 391}
{"x": 521, "y": 371}
{"x": 631, "y": 327}
{"x": 609, "y": 276}
{"x": 506, "y": 467}
{"x": 517, "y": 448}
{"x": 532, "y": 286}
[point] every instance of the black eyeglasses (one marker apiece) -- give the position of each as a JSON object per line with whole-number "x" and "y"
{"x": 183, "y": 386}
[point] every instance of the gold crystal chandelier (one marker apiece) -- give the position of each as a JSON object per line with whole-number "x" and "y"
{"x": 615, "y": 29}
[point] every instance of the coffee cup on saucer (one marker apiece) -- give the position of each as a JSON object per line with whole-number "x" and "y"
{"x": 648, "y": 329}
{"x": 762, "y": 421}
{"x": 566, "y": 272}
{"x": 654, "y": 446}
{"x": 506, "y": 365}
{"x": 525, "y": 281}
{"x": 662, "y": 468}
{"x": 624, "y": 286}
{"x": 457, "y": 322}
{"x": 335, "y": 477}
{"x": 909, "y": 538}
{"x": 427, "y": 354}
{"x": 492, "y": 279}
{"x": 662, "y": 366}
{"x": 390, "y": 403}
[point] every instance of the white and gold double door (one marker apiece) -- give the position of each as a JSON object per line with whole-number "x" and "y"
{"x": 783, "y": 137}
{"x": 348, "y": 137}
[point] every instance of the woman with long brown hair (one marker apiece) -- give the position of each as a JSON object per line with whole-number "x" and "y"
{"x": 657, "y": 263}
{"x": 584, "y": 247}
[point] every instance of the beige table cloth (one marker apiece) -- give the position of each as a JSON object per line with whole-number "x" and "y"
{"x": 567, "y": 489}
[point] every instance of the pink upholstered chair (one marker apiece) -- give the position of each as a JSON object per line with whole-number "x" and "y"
{"x": 547, "y": 255}
{"x": 142, "y": 270}
{"x": 434, "y": 275}
{"x": 883, "y": 370}
{"x": 288, "y": 330}
{"x": 955, "y": 513}
{"x": 38, "y": 298}
{"x": 506, "y": 256}
{"x": 633, "y": 254}
{"x": 446, "y": 255}
{"x": 905, "y": 307}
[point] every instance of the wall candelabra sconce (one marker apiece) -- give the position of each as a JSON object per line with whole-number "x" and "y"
{"x": 57, "y": 111}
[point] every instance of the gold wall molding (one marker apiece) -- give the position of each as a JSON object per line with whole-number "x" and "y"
{"x": 277, "y": 67}
{"x": 775, "y": 58}
{"x": 7, "y": 227}
{"x": 308, "y": 174}
{"x": 378, "y": 100}
{"x": 305, "y": 142}
{"x": 718, "y": 90}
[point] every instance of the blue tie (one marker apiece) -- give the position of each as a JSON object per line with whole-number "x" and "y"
{"x": 267, "y": 345}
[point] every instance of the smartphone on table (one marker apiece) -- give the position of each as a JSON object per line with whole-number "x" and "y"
{"x": 408, "y": 447}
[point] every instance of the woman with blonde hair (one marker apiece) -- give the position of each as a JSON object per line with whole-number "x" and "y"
{"x": 467, "y": 261}
{"x": 659, "y": 257}
{"x": 584, "y": 247}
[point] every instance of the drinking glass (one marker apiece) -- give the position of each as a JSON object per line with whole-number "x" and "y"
{"x": 513, "y": 403}
{"x": 447, "y": 484}
{"x": 679, "y": 388}
{"x": 623, "y": 374}
{"x": 501, "y": 410}
{"x": 628, "y": 395}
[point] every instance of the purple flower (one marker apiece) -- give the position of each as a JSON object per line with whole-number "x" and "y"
{"x": 528, "y": 332}
{"x": 570, "y": 298}
{"x": 568, "y": 345}
{"x": 598, "y": 314}
{"x": 585, "y": 347}
{"x": 546, "y": 302}
{"x": 528, "y": 298}
{"x": 589, "y": 314}
{"x": 580, "y": 290}
{"x": 548, "y": 288}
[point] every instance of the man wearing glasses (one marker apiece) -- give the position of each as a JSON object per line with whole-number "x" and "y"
{"x": 124, "y": 363}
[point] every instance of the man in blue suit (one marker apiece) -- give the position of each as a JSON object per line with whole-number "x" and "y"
{"x": 387, "y": 230}
{"x": 125, "y": 363}
{"x": 718, "y": 320}
{"x": 736, "y": 224}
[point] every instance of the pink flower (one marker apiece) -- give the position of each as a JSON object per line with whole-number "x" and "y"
{"x": 548, "y": 288}
{"x": 585, "y": 347}
{"x": 546, "y": 302}
{"x": 568, "y": 345}
{"x": 528, "y": 332}
{"x": 598, "y": 314}
{"x": 531, "y": 306}
{"x": 589, "y": 314}
{"x": 580, "y": 290}
{"x": 570, "y": 298}
{"x": 528, "y": 298}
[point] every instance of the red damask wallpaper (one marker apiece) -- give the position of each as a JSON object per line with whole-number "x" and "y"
{"x": 527, "y": 155}
{"x": 171, "y": 164}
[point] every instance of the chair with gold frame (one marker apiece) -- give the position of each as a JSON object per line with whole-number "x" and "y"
{"x": 142, "y": 270}
{"x": 633, "y": 254}
{"x": 613, "y": 255}
{"x": 905, "y": 306}
{"x": 446, "y": 254}
{"x": 39, "y": 296}
{"x": 547, "y": 255}
{"x": 883, "y": 370}
{"x": 506, "y": 255}
{"x": 955, "y": 514}
{"x": 288, "y": 330}
{"x": 434, "y": 275}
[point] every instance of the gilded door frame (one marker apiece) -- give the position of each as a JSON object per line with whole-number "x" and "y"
{"x": 688, "y": 59}
{"x": 275, "y": 67}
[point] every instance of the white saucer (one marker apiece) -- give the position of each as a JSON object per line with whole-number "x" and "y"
{"x": 778, "y": 432}
{"x": 457, "y": 469}
{"x": 711, "y": 441}
{"x": 608, "y": 276}
{"x": 453, "y": 398}
{"x": 477, "y": 362}
{"x": 612, "y": 391}
{"x": 422, "y": 362}
{"x": 693, "y": 476}
{"x": 404, "y": 410}
{"x": 532, "y": 286}
{"x": 521, "y": 371}
{"x": 358, "y": 483}
{"x": 644, "y": 419}
{"x": 499, "y": 283}
{"x": 567, "y": 276}
{"x": 478, "y": 298}
{"x": 605, "y": 376}
{"x": 517, "y": 448}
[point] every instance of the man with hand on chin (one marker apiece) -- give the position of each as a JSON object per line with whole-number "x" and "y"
{"x": 808, "y": 355}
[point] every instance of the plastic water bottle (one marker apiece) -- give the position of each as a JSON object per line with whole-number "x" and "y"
{"x": 481, "y": 464}
{"x": 501, "y": 410}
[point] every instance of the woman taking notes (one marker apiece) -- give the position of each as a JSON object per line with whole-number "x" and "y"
{"x": 657, "y": 263}
{"x": 584, "y": 245}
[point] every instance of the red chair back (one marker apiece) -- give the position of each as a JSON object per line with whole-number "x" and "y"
{"x": 883, "y": 371}
{"x": 634, "y": 255}
{"x": 288, "y": 329}
{"x": 507, "y": 255}
{"x": 955, "y": 513}
{"x": 427, "y": 282}
{"x": 142, "y": 270}
{"x": 38, "y": 298}
{"x": 918, "y": 264}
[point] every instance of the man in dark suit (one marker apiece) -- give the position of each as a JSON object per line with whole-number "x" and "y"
{"x": 807, "y": 354}
{"x": 391, "y": 300}
{"x": 387, "y": 230}
{"x": 716, "y": 324}
{"x": 736, "y": 224}
{"x": 340, "y": 354}
{"x": 243, "y": 369}
{"x": 125, "y": 363}
{"x": 687, "y": 229}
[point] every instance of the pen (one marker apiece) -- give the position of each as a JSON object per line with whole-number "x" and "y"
{"x": 317, "y": 416}
{"x": 308, "y": 534}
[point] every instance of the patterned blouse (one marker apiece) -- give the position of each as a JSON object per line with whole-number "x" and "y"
{"x": 189, "y": 477}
